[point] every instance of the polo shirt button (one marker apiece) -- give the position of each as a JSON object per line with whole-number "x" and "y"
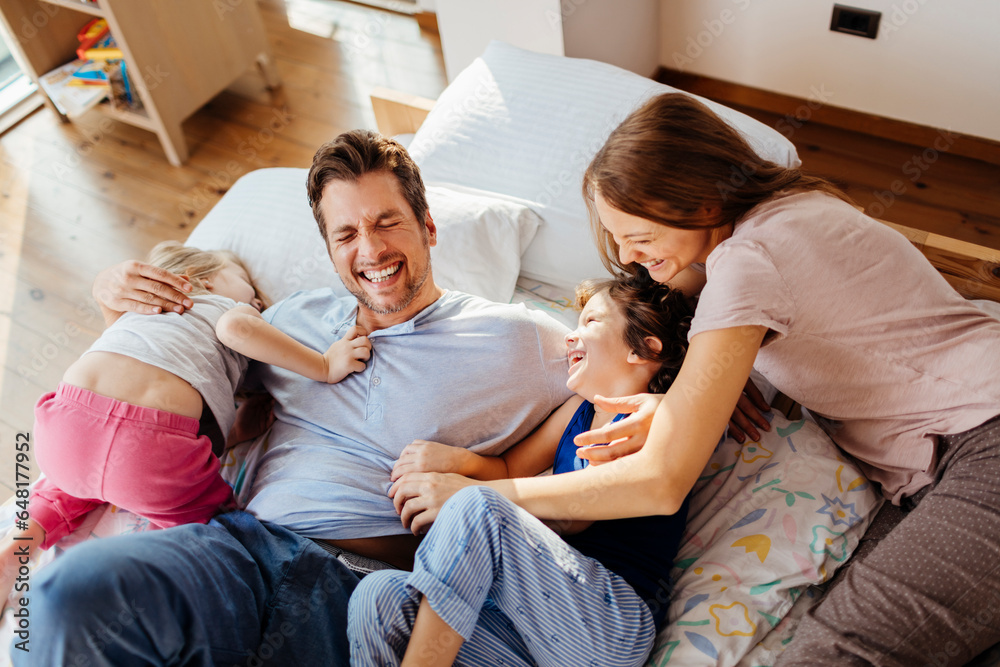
{"x": 376, "y": 381}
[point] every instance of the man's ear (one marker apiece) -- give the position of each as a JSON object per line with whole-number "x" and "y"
{"x": 431, "y": 229}
{"x": 654, "y": 344}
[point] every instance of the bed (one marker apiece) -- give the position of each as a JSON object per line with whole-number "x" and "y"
{"x": 502, "y": 151}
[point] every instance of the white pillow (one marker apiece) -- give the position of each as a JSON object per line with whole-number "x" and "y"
{"x": 480, "y": 241}
{"x": 767, "y": 520}
{"x": 527, "y": 124}
{"x": 266, "y": 219}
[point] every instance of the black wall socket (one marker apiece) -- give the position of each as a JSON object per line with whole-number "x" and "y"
{"x": 854, "y": 21}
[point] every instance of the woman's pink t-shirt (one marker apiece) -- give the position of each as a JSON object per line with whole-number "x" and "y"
{"x": 864, "y": 331}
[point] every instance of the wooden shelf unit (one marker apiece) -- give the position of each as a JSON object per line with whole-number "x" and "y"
{"x": 179, "y": 53}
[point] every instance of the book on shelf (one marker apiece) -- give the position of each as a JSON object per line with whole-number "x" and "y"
{"x": 98, "y": 73}
{"x": 91, "y": 73}
{"x": 71, "y": 99}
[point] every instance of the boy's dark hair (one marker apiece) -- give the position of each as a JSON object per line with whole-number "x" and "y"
{"x": 650, "y": 309}
{"x": 356, "y": 153}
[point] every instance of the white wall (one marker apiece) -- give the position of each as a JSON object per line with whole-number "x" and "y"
{"x": 467, "y": 26}
{"x": 623, "y": 33}
{"x": 934, "y": 62}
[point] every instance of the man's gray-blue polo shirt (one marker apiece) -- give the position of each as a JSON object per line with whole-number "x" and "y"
{"x": 464, "y": 371}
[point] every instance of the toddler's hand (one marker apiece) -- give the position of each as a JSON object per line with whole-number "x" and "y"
{"x": 254, "y": 415}
{"x": 428, "y": 456}
{"x": 348, "y": 355}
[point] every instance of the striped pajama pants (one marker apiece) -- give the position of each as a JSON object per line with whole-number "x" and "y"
{"x": 515, "y": 591}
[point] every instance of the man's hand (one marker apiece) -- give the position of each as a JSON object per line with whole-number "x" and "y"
{"x": 140, "y": 288}
{"x": 622, "y": 437}
{"x": 748, "y": 412}
{"x": 348, "y": 355}
{"x": 428, "y": 456}
{"x": 419, "y": 496}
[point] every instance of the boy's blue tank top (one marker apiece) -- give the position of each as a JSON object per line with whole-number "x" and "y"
{"x": 640, "y": 550}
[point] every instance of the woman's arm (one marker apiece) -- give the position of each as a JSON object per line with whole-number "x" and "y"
{"x": 244, "y": 329}
{"x": 655, "y": 480}
{"x": 630, "y": 435}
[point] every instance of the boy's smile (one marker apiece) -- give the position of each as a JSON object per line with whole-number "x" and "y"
{"x": 596, "y": 349}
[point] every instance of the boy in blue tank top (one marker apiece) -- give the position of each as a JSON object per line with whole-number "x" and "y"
{"x": 491, "y": 582}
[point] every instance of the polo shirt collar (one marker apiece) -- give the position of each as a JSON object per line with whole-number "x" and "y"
{"x": 400, "y": 329}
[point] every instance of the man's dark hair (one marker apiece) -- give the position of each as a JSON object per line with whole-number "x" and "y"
{"x": 359, "y": 152}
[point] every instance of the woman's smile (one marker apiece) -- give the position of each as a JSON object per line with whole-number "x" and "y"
{"x": 662, "y": 250}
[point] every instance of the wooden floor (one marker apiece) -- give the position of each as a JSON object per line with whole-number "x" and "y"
{"x": 76, "y": 198}
{"x": 917, "y": 186}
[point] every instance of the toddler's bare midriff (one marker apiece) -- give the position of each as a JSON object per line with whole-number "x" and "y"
{"x": 132, "y": 381}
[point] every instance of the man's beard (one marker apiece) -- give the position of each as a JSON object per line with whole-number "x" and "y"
{"x": 412, "y": 289}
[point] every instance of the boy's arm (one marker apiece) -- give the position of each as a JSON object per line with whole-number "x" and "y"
{"x": 244, "y": 330}
{"x": 529, "y": 457}
{"x": 430, "y": 456}
{"x": 538, "y": 451}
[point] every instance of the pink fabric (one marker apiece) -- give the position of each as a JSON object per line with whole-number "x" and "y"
{"x": 95, "y": 449}
{"x": 865, "y": 332}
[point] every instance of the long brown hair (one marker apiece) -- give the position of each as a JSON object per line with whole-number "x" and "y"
{"x": 672, "y": 157}
{"x": 356, "y": 153}
{"x": 649, "y": 309}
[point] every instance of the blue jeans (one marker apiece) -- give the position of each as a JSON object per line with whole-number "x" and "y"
{"x": 235, "y": 591}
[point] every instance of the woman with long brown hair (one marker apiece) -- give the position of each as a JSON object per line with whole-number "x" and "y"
{"x": 843, "y": 315}
{"x": 840, "y": 313}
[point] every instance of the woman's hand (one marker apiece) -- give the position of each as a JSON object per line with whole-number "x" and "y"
{"x": 749, "y": 409}
{"x": 428, "y": 456}
{"x": 141, "y": 288}
{"x": 622, "y": 437}
{"x": 419, "y": 496}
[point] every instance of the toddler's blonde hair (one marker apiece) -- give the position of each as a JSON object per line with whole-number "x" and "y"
{"x": 196, "y": 264}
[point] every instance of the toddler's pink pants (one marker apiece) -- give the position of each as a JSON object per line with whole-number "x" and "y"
{"x": 96, "y": 449}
